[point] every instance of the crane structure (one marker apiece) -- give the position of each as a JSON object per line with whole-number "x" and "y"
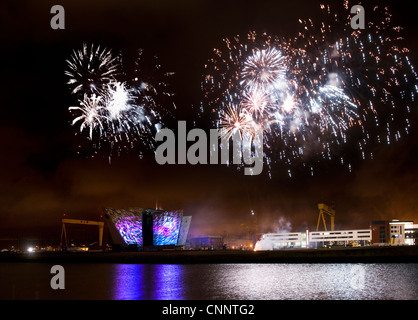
{"x": 100, "y": 224}
{"x": 324, "y": 209}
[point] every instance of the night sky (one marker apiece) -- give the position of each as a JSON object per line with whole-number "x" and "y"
{"x": 43, "y": 173}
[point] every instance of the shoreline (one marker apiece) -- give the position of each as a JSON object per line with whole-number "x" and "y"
{"x": 401, "y": 254}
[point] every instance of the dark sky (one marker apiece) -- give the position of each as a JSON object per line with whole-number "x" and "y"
{"x": 43, "y": 176}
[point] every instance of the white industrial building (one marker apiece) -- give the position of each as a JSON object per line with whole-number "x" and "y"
{"x": 343, "y": 237}
{"x": 274, "y": 241}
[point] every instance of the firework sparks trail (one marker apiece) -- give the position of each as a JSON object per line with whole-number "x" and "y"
{"x": 312, "y": 93}
{"x": 235, "y": 120}
{"x": 90, "y": 114}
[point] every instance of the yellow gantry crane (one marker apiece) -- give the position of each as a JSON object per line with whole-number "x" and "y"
{"x": 323, "y": 208}
{"x": 100, "y": 224}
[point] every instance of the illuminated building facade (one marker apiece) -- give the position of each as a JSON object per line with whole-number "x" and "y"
{"x": 403, "y": 232}
{"x": 142, "y": 227}
{"x": 411, "y": 234}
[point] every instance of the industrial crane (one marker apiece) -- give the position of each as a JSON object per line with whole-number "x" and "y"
{"x": 100, "y": 224}
{"x": 323, "y": 208}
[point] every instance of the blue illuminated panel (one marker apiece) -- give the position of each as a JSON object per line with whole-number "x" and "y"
{"x": 166, "y": 228}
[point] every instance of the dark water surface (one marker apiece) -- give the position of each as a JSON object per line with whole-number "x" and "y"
{"x": 212, "y": 281}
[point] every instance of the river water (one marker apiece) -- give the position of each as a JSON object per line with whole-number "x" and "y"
{"x": 211, "y": 281}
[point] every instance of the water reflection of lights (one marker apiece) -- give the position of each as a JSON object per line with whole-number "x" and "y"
{"x": 314, "y": 282}
{"x": 283, "y": 281}
{"x": 128, "y": 281}
{"x": 264, "y": 281}
{"x": 148, "y": 282}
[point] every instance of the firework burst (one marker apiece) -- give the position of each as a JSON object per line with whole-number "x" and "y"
{"x": 91, "y": 68}
{"x": 116, "y": 113}
{"x": 312, "y": 93}
{"x": 263, "y": 69}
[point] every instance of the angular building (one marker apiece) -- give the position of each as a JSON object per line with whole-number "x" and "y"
{"x": 143, "y": 227}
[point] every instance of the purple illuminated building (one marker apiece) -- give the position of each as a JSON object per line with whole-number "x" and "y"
{"x": 147, "y": 227}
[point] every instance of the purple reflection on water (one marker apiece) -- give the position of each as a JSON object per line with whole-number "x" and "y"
{"x": 148, "y": 282}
